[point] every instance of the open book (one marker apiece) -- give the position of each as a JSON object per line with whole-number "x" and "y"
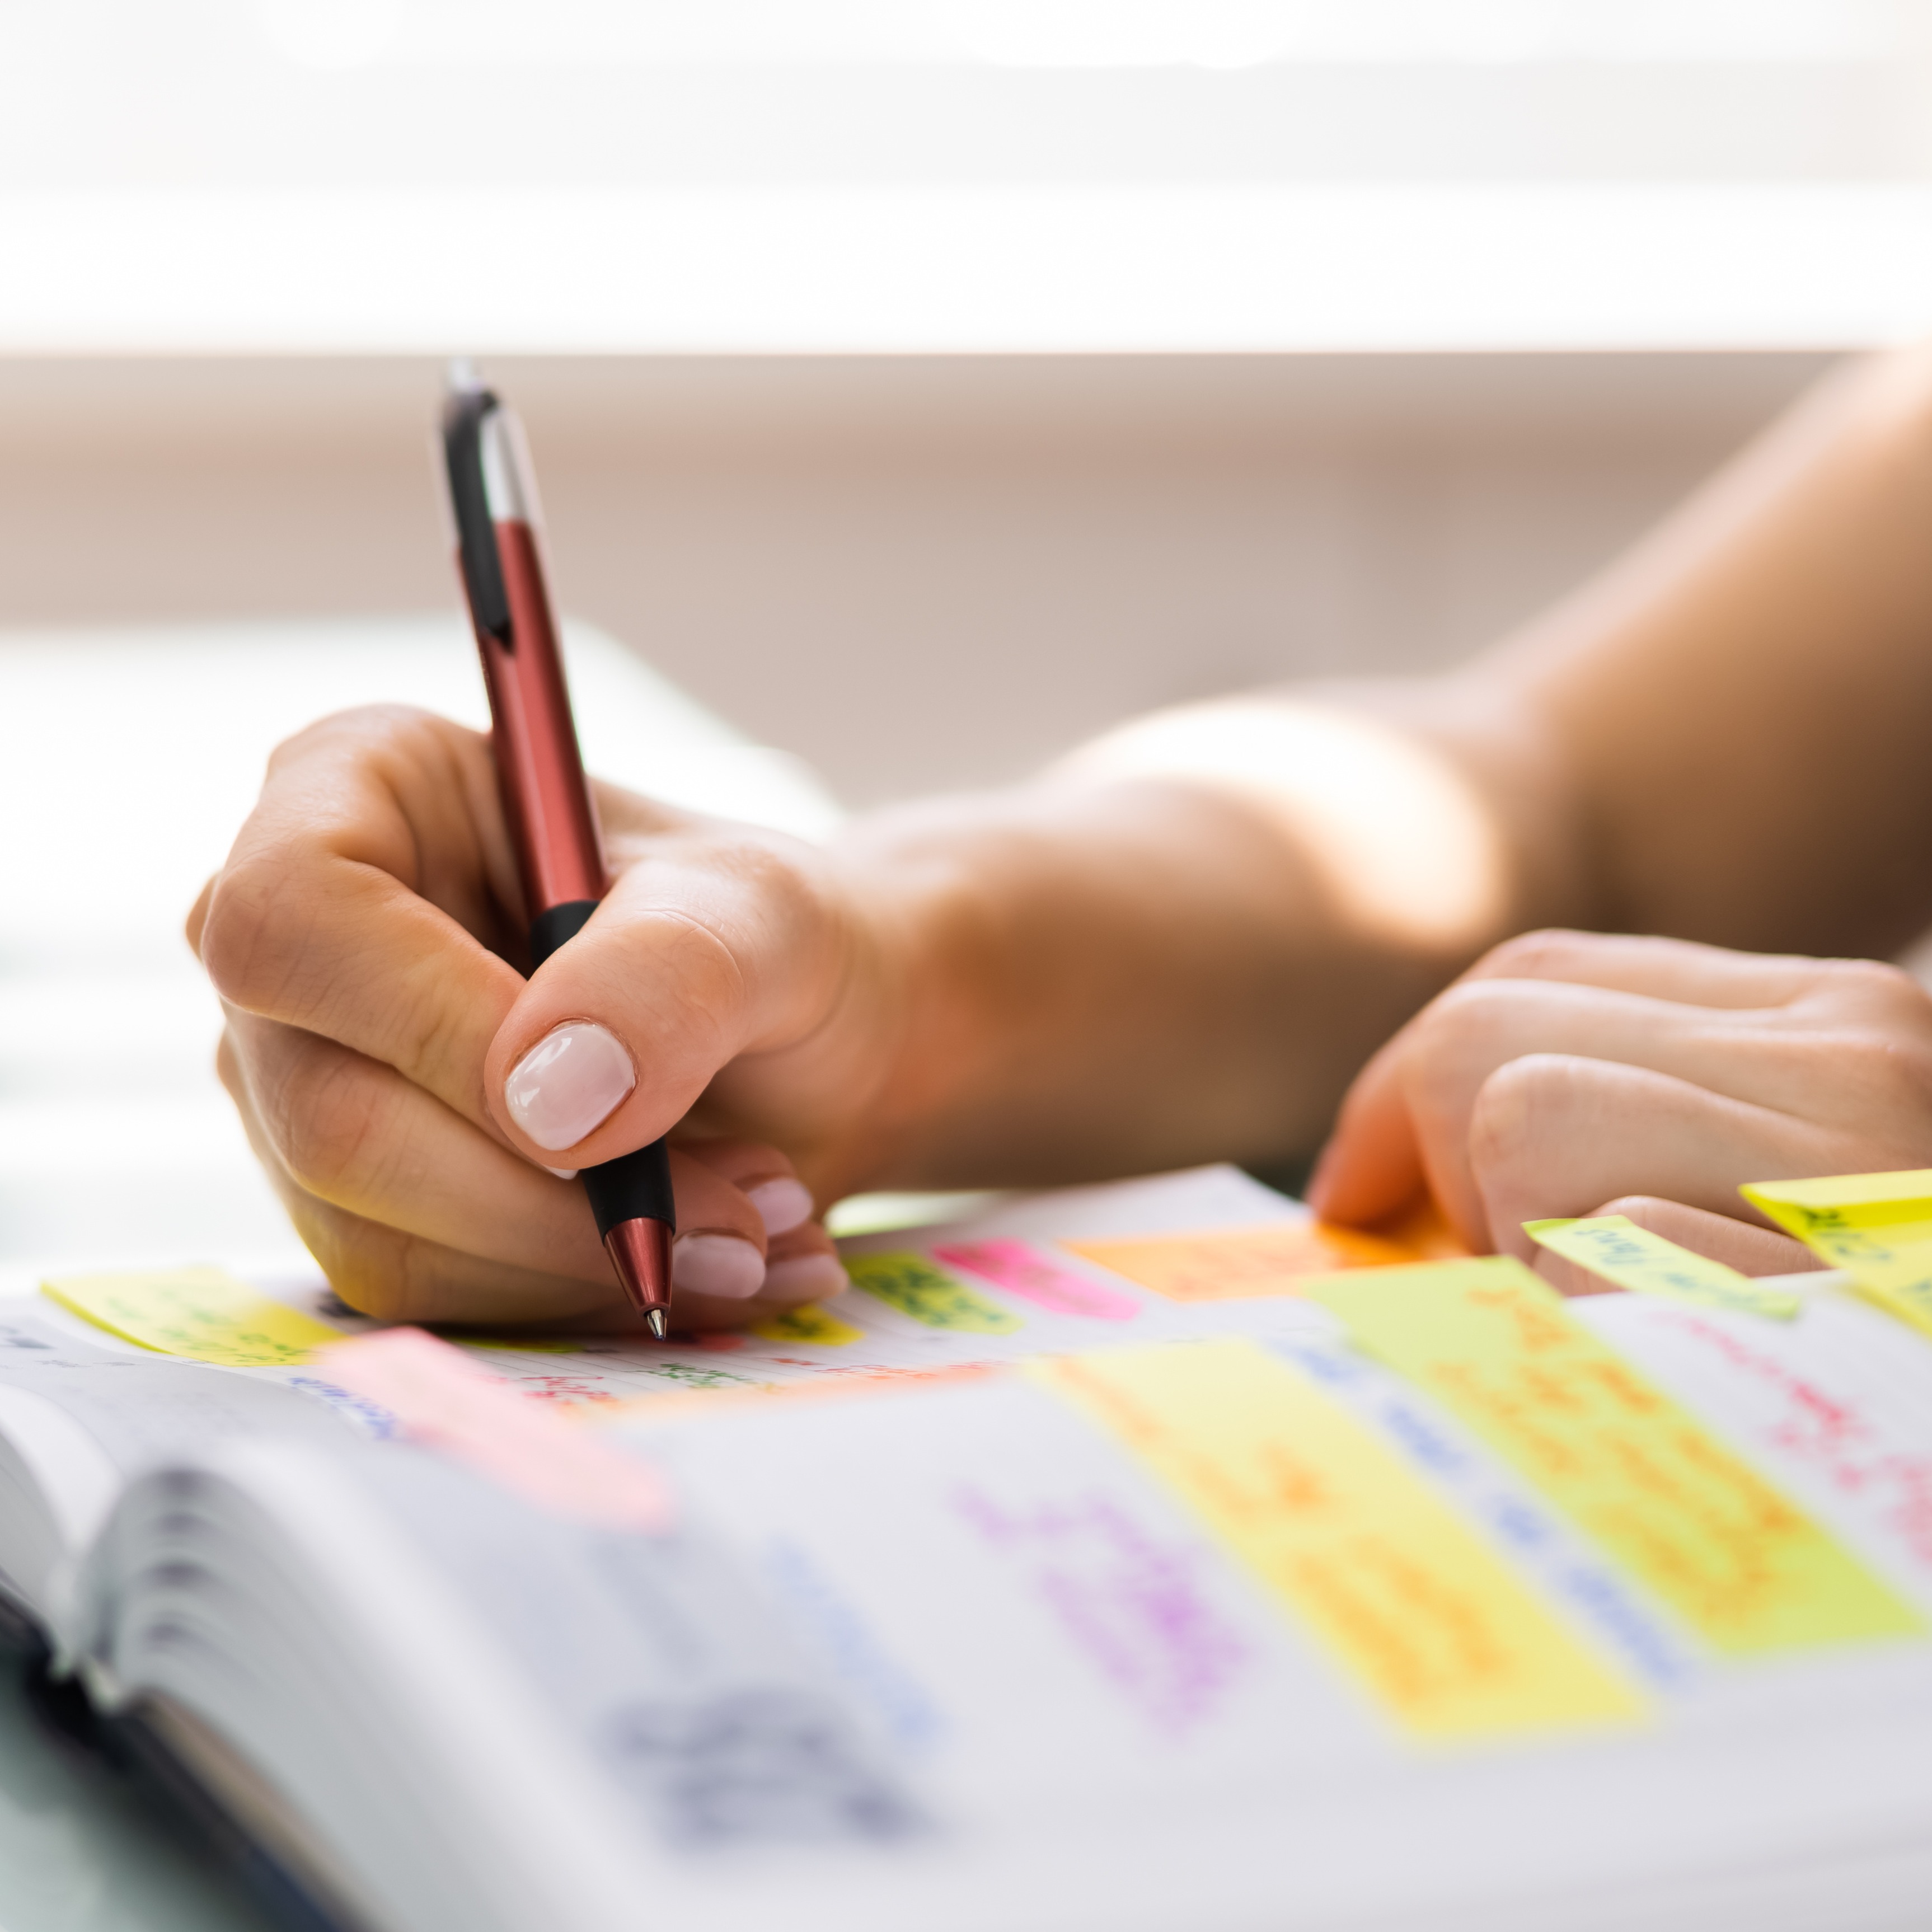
{"x": 1092, "y": 1565}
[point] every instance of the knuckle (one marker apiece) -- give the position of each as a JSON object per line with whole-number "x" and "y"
{"x": 1461, "y": 1036}
{"x": 1529, "y": 955}
{"x": 1514, "y": 1107}
{"x": 323, "y": 1116}
{"x": 1874, "y": 985}
{"x": 250, "y": 941}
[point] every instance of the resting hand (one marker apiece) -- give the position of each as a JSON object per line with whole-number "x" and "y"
{"x": 1571, "y": 1073}
{"x": 407, "y": 1090}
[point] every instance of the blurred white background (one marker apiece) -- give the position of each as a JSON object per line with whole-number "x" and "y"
{"x": 919, "y": 385}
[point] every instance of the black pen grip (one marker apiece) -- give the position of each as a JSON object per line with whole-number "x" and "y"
{"x": 634, "y": 1186}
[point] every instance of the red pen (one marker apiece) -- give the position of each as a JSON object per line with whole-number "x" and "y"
{"x": 552, "y": 816}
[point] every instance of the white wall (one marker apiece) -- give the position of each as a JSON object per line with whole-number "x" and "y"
{"x": 917, "y": 572}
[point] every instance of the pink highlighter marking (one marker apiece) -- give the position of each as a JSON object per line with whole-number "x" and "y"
{"x": 442, "y": 1397}
{"x": 1026, "y": 1272}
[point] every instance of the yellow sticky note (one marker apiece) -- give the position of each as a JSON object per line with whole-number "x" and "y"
{"x": 1363, "y": 1552}
{"x": 809, "y": 1323}
{"x": 1664, "y": 1499}
{"x": 1239, "y": 1264}
{"x": 1616, "y": 1248}
{"x": 199, "y": 1312}
{"x": 925, "y": 1291}
{"x": 1876, "y": 1227}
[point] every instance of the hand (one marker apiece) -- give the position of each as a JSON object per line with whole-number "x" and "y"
{"x": 1570, "y": 1073}
{"x": 411, "y": 1094}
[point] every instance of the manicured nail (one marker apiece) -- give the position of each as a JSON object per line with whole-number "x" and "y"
{"x": 782, "y": 1203}
{"x": 806, "y": 1278}
{"x": 725, "y": 1265}
{"x": 563, "y": 1173}
{"x": 569, "y": 1084}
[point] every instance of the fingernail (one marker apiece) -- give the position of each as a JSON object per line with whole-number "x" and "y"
{"x": 562, "y": 1173}
{"x": 725, "y": 1265}
{"x": 782, "y": 1203}
{"x": 806, "y": 1278}
{"x": 569, "y": 1083}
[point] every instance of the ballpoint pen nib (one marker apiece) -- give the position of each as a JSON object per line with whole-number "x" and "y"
{"x": 659, "y": 1323}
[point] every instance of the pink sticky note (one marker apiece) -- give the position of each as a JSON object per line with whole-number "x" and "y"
{"x": 1026, "y": 1272}
{"x": 441, "y": 1396}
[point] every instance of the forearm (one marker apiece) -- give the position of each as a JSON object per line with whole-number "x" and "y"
{"x": 1182, "y": 945}
{"x": 1743, "y": 704}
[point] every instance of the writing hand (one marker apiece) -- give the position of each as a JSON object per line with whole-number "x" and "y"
{"x": 406, "y": 1089}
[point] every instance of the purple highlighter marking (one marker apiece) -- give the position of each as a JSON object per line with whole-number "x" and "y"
{"x": 1026, "y": 1272}
{"x": 1130, "y": 1602}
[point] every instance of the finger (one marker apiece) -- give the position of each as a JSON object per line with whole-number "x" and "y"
{"x": 363, "y": 897}
{"x": 1552, "y": 1135}
{"x": 197, "y": 917}
{"x": 1371, "y": 1166}
{"x": 337, "y": 1127}
{"x": 1667, "y": 969}
{"x": 347, "y": 1129}
{"x": 708, "y": 946}
{"x": 1482, "y": 1025}
{"x": 803, "y": 1266}
{"x": 765, "y": 1176}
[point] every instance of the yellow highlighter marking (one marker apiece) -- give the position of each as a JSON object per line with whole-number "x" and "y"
{"x": 199, "y": 1312}
{"x": 1876, "y": 1227}
{"x": 1359, "y": 1547}
{"x": 1743, "y": 1566}
{"x": 1616, "y": 1248}
{"x": 809, "y": 1323}
{"x": 922, "y": 1289}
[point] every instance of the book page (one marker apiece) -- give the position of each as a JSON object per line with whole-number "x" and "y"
{"x": 1002, "y": 1287}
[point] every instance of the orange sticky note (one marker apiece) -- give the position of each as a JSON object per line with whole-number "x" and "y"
{"x": 1239, "y": 1264}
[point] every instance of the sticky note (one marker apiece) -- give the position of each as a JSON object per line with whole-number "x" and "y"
{"x": 199, "y": 1312}
{"x": 809, "y": 1323}
{"x": 1238, "y": 1263}
{"x": 1672, "y": 1507}
{"x": 1616, "y": 1248}
{"x": 917, "y": 1287}
{"x": 1024, "y": 1271}
{"x": 445, "y": 1397}
{"x": 1876, "y": 1227}
{"x": 1357, "y": 1545}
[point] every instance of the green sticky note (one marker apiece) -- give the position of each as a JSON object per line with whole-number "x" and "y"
{"x": 921, "y": 1288}
{"x": 1617, "y": 1249}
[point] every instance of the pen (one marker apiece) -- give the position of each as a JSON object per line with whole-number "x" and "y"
{"x": 552, "y": 816}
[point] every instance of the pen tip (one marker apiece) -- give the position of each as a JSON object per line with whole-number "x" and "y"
{"x": 640, "y": 1251}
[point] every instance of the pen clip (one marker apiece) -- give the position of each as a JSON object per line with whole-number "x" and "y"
{"x": 462, "y": 420}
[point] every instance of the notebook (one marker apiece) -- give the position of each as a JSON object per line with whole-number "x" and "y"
{"x": 1112, "y": 1560}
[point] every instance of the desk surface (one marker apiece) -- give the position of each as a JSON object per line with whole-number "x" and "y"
{"x": 80, "y": 1853}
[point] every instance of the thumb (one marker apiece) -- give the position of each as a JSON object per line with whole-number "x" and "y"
{"x": 694, "y": 957}
{"x": 1371, "y": 1167}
